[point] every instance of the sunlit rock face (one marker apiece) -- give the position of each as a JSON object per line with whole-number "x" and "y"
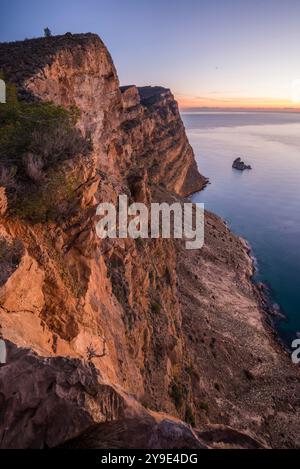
{"x": 3, "y": 201}
{"x": 158, "y": 140}
{"x": 175, "y": 334}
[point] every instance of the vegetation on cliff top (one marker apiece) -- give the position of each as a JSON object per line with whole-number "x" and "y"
{"x": 35, "y": 139}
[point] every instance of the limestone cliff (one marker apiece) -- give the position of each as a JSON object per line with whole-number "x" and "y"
{"x": 176, "y": 334}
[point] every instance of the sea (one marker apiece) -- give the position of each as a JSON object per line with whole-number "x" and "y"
{"x": 261, "y": 205}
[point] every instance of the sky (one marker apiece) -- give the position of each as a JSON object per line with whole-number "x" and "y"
{"x": 211, "y": 53}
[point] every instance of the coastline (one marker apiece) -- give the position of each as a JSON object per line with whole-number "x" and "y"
{"x": 262, "y": 290}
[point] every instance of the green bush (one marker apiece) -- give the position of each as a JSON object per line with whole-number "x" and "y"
{"x": 139, "y": 242}
{"x": 47, "y": 202}
{"x": 189, "y": 416}
{"x": 177, "y": 393}
{"x": 20, "y": 120}
{"x": 155, "y": 307}
{"x": 203, "y": 406}
{"x": 35, "y": 139}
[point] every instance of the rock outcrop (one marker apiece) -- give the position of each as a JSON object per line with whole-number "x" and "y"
{"x": 176, "y": 334}
{"x": 240, "y": 165}
{"x": 3, "y": 201}
{"x": 154, "y": 127}
{"x": 68, "y": 400}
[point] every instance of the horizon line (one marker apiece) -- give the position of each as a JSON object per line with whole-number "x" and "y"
{"x": 237, "y": 109}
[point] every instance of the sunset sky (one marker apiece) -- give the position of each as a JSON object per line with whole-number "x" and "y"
{"x": 211, "y": 53}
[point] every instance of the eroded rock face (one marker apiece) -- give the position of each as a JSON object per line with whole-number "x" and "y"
{"x": 3, "y": 201}
{"x": 180, "y": 331}
{"x": 158, "y": 141}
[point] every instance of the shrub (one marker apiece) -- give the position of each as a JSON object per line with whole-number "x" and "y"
{"x": 139, "y": 242}
{"x": 47, "y": 32}
{"x": 203, "y": 406}
{"x": 155, "y": 307}
{"x": 10, "y": 256}
{"x": 189, "y": 416}
{"x": 177, "y": 393}
{"x": 47, "y": 202}
{"x": 35, "y": 139}
{"x": 190, "y": 370}
{"x": 39, "y": 128}
{"x": 59, "y": 144}
{"x": 34, "y": 167}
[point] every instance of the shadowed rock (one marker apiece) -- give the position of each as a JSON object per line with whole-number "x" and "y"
{"x": 240, "y": 165}
{"x": 47, "y": 401}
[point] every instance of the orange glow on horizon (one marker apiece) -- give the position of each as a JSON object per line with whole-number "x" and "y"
{"x": 236, "y": 103}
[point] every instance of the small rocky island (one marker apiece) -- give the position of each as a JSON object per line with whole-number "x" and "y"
{"x": 240, "y": 165}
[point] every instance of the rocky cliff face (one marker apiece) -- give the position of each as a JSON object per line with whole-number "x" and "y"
{"x": 154, "y": 129}
{"x": 175, "y": 334}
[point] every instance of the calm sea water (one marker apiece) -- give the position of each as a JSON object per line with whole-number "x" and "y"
{"x": 262, "y": 205}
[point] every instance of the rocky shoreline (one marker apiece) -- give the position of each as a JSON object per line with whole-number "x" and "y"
{"x": 265, "y": 299}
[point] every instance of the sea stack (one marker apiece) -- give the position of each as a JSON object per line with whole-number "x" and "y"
{"x": 240, "y": 165}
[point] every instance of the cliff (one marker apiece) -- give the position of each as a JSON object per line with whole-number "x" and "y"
{"x": 179, "y": 337}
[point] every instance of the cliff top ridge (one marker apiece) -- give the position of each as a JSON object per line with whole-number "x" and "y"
{"x": 20, "y": 60}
